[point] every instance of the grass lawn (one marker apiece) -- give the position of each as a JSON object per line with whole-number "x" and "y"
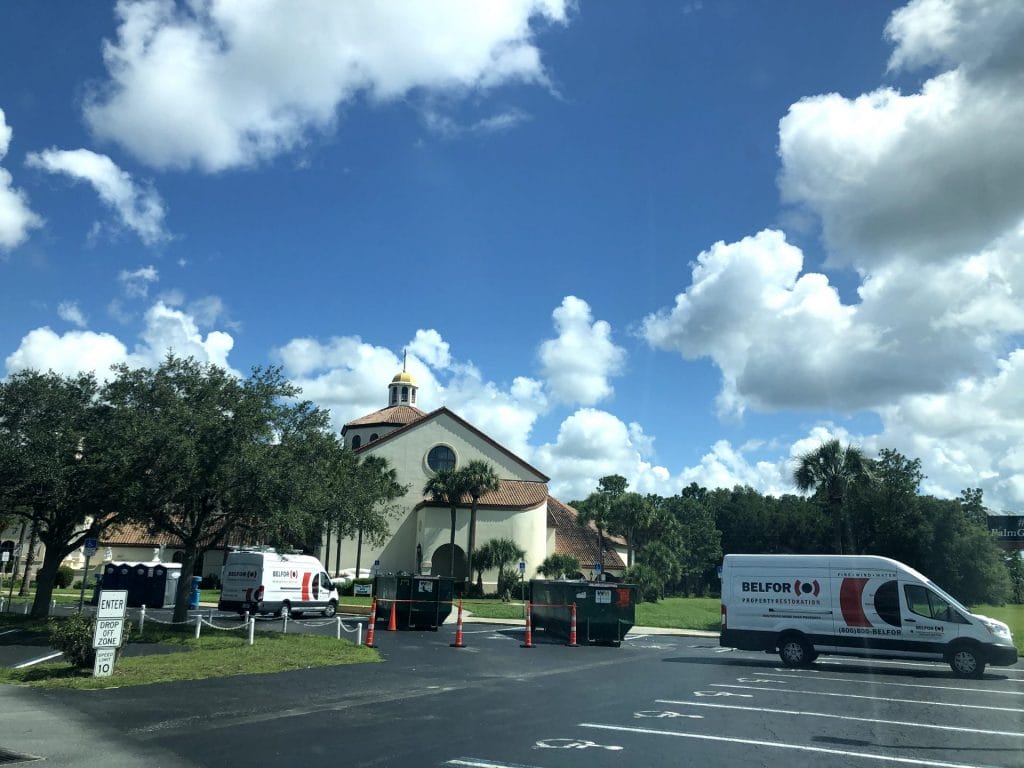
{"x": 215, "y": 654}
{"x": 681, "y": 613}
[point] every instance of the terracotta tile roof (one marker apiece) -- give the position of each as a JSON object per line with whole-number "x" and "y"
{"x": 513, "y": 494}
{"x": 138, "y": 535}
{"x": 433, "y": 415}
{"x": 393, "y": 415}
{"x": 581, "y": 542}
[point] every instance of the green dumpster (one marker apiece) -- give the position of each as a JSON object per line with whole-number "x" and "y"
{"x": 421, "y": 602}
{"x": 605, "y": 611}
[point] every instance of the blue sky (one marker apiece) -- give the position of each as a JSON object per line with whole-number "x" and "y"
{"x": 677, "y": 241}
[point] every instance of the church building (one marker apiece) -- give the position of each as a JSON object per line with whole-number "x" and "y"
{"x": 416, "y": 445}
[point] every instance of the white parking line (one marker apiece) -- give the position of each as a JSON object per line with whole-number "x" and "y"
{"x": 869, "y": 698}
{"x": 38, "y": 661}
{"x": 9, "y": 631}
{"x": 848, "y": 660}
{"x": 474, "y": 763}
{"x": 880, "y": 683}
{"x": 1014, "y": 734}
{"x": 780, "y": 745}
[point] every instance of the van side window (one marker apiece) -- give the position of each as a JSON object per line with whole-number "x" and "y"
{"x": 325, "y": 581}
{"x": 924, "y": 602}
{"x": 887, "y": 603}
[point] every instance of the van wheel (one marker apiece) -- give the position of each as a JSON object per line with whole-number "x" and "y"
{"x": 966, "y": 661}
{"x": 795, "y": 651}
{"x": 330, "y": 609}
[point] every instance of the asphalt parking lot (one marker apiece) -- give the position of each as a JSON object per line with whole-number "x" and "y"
{"x": 656, "y": 701}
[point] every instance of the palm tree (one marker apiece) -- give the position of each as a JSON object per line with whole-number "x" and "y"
{"x": 446, "y": 486}
{"x": 482, "y": 560}
{"x": 829, "y": 470}
{"x": 504, "y": 552}
{"x": 478, "y": 477}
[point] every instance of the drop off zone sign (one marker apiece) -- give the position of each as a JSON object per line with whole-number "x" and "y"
{"x": 109, "y": 628}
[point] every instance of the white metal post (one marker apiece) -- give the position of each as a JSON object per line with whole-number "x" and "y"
{"x": 199, "y": 623}
{"x": 252, "y": 631}
{"x": 337, "y": 629}
{"x": 142, "y": 619}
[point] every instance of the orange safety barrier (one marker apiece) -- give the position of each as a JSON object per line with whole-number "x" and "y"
{"x": 572, "y": 627}
{"x": 458, "y": 630}
{"x": 369, "y": 631}
{"x": 529, "y": 630}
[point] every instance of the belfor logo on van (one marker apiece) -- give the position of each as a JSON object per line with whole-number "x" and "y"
{"x": 798, "y": 588}
{"x": 286, "y": 574}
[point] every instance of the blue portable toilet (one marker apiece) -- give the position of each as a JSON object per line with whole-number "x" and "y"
{"x": 193, "y": 598}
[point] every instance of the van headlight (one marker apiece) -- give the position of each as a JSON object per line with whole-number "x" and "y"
{"x": 997, "y": 629}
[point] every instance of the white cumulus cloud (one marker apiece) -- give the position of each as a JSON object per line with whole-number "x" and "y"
{"x": 580, "y": 361}
{"x": 164, "y": 330}
{"x": 220, "y": 84}
{"x": 921, "y": 198}
{"x": 136, "y": 282}
{"x": 16, "y": 218}
{"x": 140, "y": 209}
{"x": 72, "y": 313}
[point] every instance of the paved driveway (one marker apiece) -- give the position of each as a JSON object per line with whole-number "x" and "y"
{"x": 656, "y": 701}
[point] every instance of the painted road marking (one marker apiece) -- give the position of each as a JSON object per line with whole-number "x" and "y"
{"x": 757, "y": 680}
{"x": 9, "y": 631}
{"x": 472, "y": 762}
{"x": 780, "y": 745}
{"x": 726, "y": 693}
{"x": 869, "y": 698}
{"x": 879, "y": 683}
{"x": 1014, "y": 734}
{"x": 38, "y": 661}
{"x": 573, "y": 744}
{"x": 664, "y": 714}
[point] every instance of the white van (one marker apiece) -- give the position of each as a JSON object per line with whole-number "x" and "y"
{"x": 803, "y": 605}
{"x": 269, "y": 582}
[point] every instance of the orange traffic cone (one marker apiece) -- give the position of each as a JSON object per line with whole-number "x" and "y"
{"x": 529, "y": 629}
{"x": 392, "y": 623}
{"x": 373, "y": 616}
{"x": 572, "y": 627}
{"x": 458, "y": 630}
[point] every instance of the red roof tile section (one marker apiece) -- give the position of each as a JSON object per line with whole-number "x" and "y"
{"x": 137, "y": 535}
{"x": 394, "y": 415}
{"x": 513, "y": 494}
{"x": 578, "y": 541}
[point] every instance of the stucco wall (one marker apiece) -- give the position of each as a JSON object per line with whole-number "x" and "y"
{"x": 407, "y": 454}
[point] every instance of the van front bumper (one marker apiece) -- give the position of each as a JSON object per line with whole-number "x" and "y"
{"x": 1002, "y": 655}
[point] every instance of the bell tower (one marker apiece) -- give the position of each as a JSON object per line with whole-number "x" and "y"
{"x": 402, "y": 389}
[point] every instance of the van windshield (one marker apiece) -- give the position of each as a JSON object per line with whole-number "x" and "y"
{"x": 947, "y": 597}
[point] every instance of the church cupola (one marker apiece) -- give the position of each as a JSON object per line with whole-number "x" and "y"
{"x": 402, "y": 389}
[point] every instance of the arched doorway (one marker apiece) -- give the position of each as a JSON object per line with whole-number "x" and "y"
{"x": 441, "y": 563}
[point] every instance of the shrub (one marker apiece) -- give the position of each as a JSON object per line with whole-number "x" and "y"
{"x": 73, "y": 637}
{"x": 64, "y": 577}
{"x": 77, "y": 584}
{"x": 647, "y": 580}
